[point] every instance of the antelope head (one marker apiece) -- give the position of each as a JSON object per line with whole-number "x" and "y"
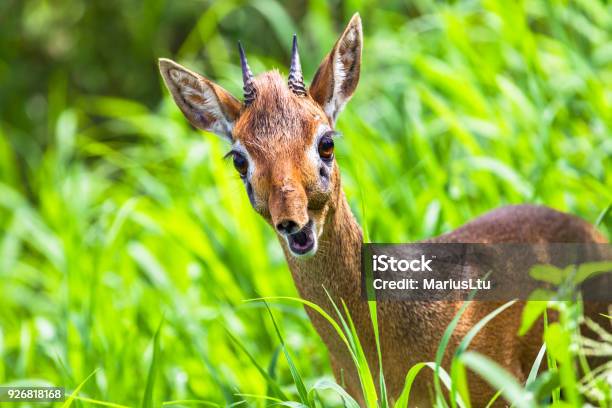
{"x": 281, "y": 135}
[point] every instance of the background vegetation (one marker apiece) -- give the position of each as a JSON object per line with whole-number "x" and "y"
{"x": 116, "y": 215}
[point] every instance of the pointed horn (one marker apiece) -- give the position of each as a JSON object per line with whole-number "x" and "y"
{"x": 296, "y": 80}
{"x": 250, "y": 93}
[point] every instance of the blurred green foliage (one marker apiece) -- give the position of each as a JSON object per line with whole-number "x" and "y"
{"x": 114, "y": 212}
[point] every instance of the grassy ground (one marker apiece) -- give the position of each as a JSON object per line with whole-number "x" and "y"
{"x": 118, "y": 221}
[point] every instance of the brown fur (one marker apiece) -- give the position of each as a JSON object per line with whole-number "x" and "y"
{"x": 278, "y": 128}
{"x": 411, "y": 331}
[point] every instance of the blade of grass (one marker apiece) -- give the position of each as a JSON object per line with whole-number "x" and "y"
{"x": 362, "y": 365}
{"x": 348, "y": 339}
{"x": 602, "y": 215}
{"x": 533, "y": 373}
{"x": 551, "y": 362}
{"x": 314, "y": 307}
{"x": 269, "y": 380}
{"x": 442, "y": 348}
{"x": 262, "y": 397}
{"x": 558, "y": 343}
{"x": 383, "y": 387}
{"x": 324, "y": 384}
{"x": 97, "y": 402}
{"x": 74, "y": 393}
{"x": 499, "y": 378}
{"x": 361, "y": 361}
{"x": 189, "y": 402}
{"x": 147, "y": 399}
{"x": 493, "y": 399}
{"x": 299, "y": 383}
{"x": 459, "y": 380}
{"x": 404, "y": 398}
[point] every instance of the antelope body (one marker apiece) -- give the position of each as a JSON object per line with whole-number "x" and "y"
{"x": 282, "y": 146}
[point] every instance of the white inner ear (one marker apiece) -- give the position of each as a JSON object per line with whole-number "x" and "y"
{"x": 337, "y": 102}
{"x": 339, "y": 74}
{"x": 202, "y": 99}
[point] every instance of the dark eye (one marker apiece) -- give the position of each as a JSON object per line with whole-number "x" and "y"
{"x": 241, "y": 164}
{"x": 326, "y": 148}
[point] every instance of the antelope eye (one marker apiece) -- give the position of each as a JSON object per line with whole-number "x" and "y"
{"x": 326, "y": 148}
{"x": 241, "y": 164}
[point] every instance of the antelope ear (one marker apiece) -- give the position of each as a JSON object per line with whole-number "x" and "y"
{"x": 338, "y": 74}
{"x": 206, "y": 105}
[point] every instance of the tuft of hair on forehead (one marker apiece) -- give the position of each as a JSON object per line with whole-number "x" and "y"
{"x": 277, "y": 116}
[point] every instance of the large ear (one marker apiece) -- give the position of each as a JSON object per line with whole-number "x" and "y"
{"x": 206, "y": 105}
{"x": 338, "y": 74}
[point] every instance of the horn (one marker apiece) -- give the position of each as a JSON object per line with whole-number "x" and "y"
{"x": 296, "y": 80}
{"x": 250, "y": 93}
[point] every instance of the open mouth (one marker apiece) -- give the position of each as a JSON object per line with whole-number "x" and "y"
{"x": 303, "y": 241}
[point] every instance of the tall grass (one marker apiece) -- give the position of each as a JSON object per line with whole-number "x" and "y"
{"x": 563, "y": 345}
{"x": 114, "y": 213}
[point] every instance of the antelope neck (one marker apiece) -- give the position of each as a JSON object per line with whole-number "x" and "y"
{"x": 336, "y": 264}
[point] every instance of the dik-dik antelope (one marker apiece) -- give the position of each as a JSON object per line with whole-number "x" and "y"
{"x": 282, "y": 145}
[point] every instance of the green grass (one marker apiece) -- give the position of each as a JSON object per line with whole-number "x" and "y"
{"x": 115, "y": 215}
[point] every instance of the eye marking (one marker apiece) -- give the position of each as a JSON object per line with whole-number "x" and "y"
{"x": 325, "y": 147}
{"x": 251, "y": 194}
{"x": 241, "y": 164}
{"x": 242, "y": 161}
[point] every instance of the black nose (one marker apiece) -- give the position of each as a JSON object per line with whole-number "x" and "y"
{"x": 287, "y": 227}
